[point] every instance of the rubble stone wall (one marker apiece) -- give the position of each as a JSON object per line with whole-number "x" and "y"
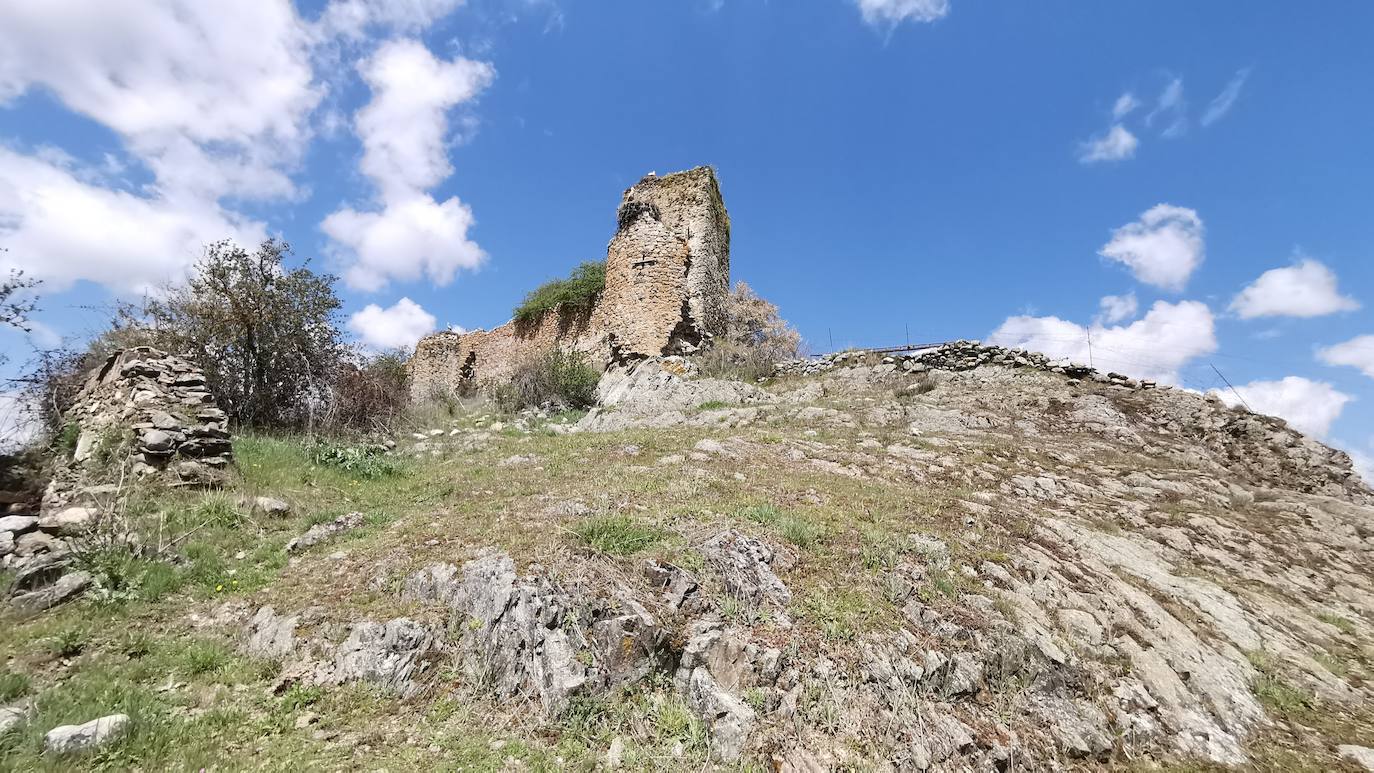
{"x": 667, "y": 280}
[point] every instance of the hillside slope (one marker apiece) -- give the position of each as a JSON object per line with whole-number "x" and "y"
{"x": 961, "y": 563}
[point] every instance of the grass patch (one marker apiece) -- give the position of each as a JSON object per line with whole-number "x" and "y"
{"x": 841, "y": 614}
{"x": 1275, "y": 694}
{"x": 618, "y": 535}
{"x": 12, "y": 686}
{"x": 793, "y": 528}
{"x": 713, "y": 405}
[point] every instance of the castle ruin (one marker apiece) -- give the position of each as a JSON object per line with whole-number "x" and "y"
{"x": 667, "y": 278}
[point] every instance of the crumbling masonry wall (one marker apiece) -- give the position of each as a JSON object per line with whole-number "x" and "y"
{"x": 667, "y": 279}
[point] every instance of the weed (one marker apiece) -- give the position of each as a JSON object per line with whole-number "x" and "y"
{"x": 204, "y": 657}
{"x": 617, "y": 535}
{"x": 840, "y": 614}
{"x": 713, "y": 405}
{"x": 1277, "y": 695}
{"x": 68, "y": 642}
{"x": 12, "y": 686}
{"x": 792, "y": 528}
{"x": 365, "y": 461}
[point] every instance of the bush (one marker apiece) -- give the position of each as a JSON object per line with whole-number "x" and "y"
{"x": 579, "y": 291}
{"x": 756, "y": 338}
{"x": 371, "y": 394}
{"x": 557, "y": 379}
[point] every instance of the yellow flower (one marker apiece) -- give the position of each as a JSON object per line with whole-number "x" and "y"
{"x": 219, "y": 587}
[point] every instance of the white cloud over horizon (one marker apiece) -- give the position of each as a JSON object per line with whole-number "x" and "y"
{"x": 1358, "y": 352}
{"x": 1305, "y": 289}
{"x": 1163, "y": 248}
{"x": 1308, "y": 406}
{"x": 404, "y": 132}
{"x": 398, "y": 326}
{"x": 1155, "y": 346}
{"x": 890, "y": 13}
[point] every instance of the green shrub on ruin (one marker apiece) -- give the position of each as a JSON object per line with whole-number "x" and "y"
{"x": 578, "y": 292}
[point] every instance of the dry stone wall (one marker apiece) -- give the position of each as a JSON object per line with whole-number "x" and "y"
{"x": 667, "y": 279}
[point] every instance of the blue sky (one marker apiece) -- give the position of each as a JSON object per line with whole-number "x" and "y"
{"x": 953, "y": 169}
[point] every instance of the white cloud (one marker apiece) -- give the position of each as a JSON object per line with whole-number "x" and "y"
{"x": 1307, "y": 289}
{"x": 60, "y": 229}
{"x": 1163, "y": 248}
{"x": 890, "y": 13}
{"x": 1221, "y": 105}
{"x": 1117, "y": 144}
{"x": 1308, "y": 406}
{"x": 352, "y": 19}
{"x": 1125, "y": 104}
{"x": 404, "y": 130}
{"x": 1358, "y": 352}
{"x": 1118, "y": 308}
{"x": 397, "y": 327}
{"x": 214, "y": 103}
{"x": 1170, "y": 109}
{"x": 1154, "y": 347}
{"x": 1364, "y": 465}
{"x": 408, "y": 239}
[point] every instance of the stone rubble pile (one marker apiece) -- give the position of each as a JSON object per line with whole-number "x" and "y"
{"x": 142, "y": 417}
{"x": 956, "y": 356}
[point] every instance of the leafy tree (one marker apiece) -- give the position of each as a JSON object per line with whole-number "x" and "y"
{"x": 266, "y": 336}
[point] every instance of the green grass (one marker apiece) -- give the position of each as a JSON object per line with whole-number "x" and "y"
{"x": 12, "y": 686}
{"x": 793, "y": 528}
{"x": 713, "y": 405}
{"x": 841, "y": 613}
{"x": 1273, "y": 692}
{"x": 618, "y": 535}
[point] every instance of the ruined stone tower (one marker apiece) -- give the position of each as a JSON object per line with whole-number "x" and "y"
{"x": 667, "y": 278}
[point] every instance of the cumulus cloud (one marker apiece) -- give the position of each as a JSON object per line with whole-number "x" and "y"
{"x": 1308, "y": 406}
{"x": 1118, "y": 308}
{"x": 1358, "y": 352}
{"x": 404, "y": 130}
{"x": 1117, "y": 144}
{"x": 218, "y": 106}
{"x": 890, "y": 13}
{"x": 396, "y": 327}
{"x": 1221, "y": 104}
{"x": 1155, "y": 347}
{"x": 408, "y": 239}
{"x": 1306, "y": 289}
{"x": 1163, "y": 248}
{"x": 60, "y": 229}
{"x": 213, "y": 103}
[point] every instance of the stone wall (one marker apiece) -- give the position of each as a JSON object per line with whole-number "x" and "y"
{"x": 667, "y": 280}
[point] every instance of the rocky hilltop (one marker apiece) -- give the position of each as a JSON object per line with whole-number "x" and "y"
{"x": 966, "y": 558}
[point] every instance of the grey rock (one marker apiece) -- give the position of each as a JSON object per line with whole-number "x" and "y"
{"x": 271, "y": 635}
{"x": 68, "y": 587}
{"x": 14, "y": 715}
{"x": 321, "y": 532}
{"x": 38, "y": 543}
{"x": 745, "y": 564}
{"x": 393, "y": 655}
{"x": 271, "y": 506}
{"x": 69, "y": 521}
{"x": 18, "y": 523}
{"x": 7, "y": 543}
{"x": 436, "y": 583}
{"x": 1360, "y": 755}
{"x": 729, "y": 720}
{"x": 156, "y": 441}
{"x": 68, "y": 739}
